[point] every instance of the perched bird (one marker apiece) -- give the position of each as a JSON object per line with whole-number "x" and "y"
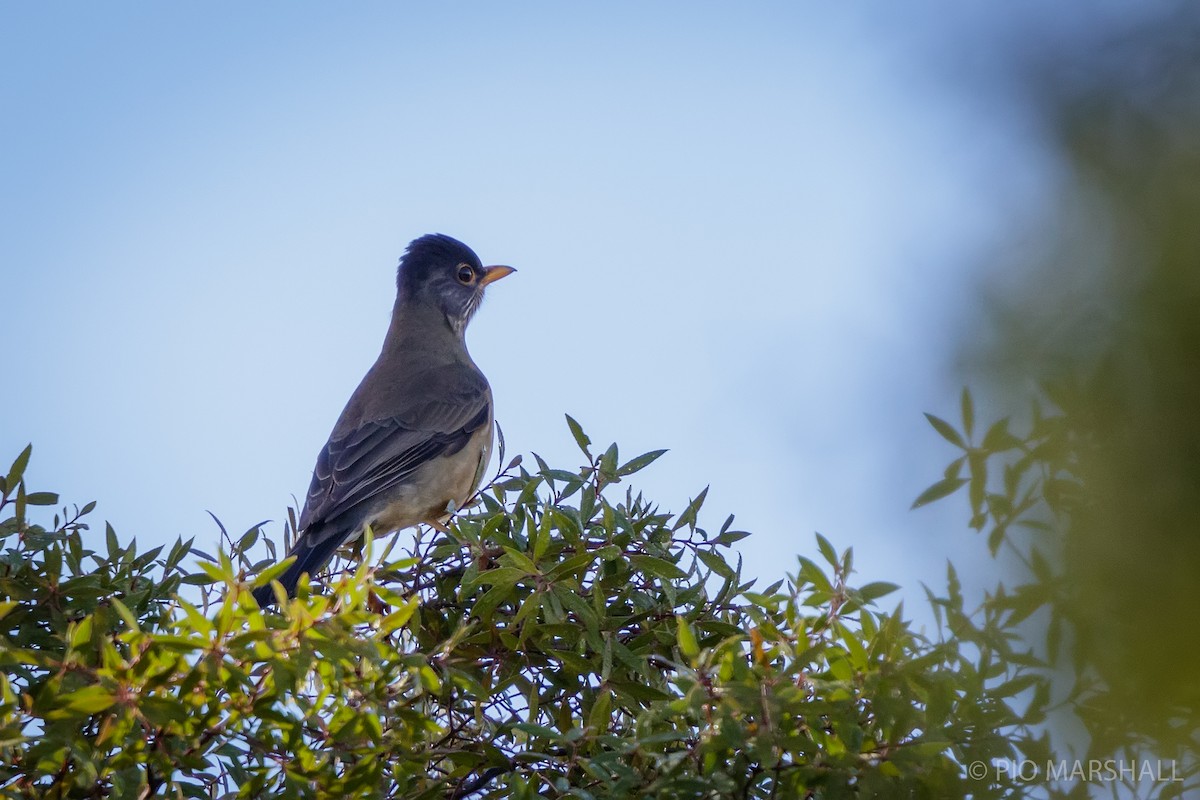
{"x": 413, "y": 442}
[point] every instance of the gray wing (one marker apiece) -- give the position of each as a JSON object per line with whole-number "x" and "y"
{"x": 430, "y": 417}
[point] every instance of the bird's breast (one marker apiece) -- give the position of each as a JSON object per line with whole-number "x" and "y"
{"x": 444, "y": 482}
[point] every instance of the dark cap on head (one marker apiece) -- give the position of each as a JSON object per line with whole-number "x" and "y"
{"x": 426, "y": 254}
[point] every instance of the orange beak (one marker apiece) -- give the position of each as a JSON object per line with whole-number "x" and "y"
{"x": 494, "y": 274}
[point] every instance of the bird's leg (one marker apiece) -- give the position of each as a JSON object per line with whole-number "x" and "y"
{"x": 438, "y": 526}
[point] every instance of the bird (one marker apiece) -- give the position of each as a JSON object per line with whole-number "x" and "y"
{"x": 412, "y": 443}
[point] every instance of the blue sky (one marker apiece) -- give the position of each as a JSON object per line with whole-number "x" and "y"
{"x": 751, "y": 235}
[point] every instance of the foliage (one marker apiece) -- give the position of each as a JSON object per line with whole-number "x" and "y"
{"x": 1041, "y": 502}
{"x": 565, "y": 639}
{"x": 1098, "y": 307}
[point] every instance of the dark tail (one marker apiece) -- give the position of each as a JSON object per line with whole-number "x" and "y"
{"x": 312, "y": 550}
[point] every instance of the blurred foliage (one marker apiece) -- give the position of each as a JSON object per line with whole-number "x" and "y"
{"x": 1031, "y": 495}
{"x": 1101, "y": 312}
{"x": 567, "y": 638}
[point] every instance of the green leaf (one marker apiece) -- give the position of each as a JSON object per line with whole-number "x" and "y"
{"x": 571, "y": 601}
{"x": 397, "y": 618}
{"x": 730, "y": 537}
{"x": 272, "y": 572}
{"x": 813, "y": 574}
{"x": 88, "y": 700}
{"x": 529, "y": 494}
{"x": 571, "y": 565}
{"x": 80, "y": 633}
{"x": 955, "y": 467}
{"x": 639, "y": 691}
{"x": 686, "y": 638}
{"x": 145, "y": 558}
{"x": 639, "y": 463}
{"x": 996, "y": 538}
{"x": 978, "y": 488}
{"x": 41, "y": 498}
{"x": 688, "y": 517}
{"x": 581, "y": 438}
{"x": 492, "y": 598}
{"x": 656, "y": 566}
{"x": 126, "y": 615}
{"x": 1024, "y": 601}
{"x": 522, "y": 561}
{"x": 827, "y": 550}
{"x": 114, "y": 547}
{"x": 501, "y": 445}
{"x": 18, "y": 468}
{"x": 250, "y": 537}
{"x": 877, "y": 589}
{"x": 599, "y": 718}
{"x": 946, "y": 430}
{"x": 768, "y": 601}
{"x": 560, "y": 475}
{"x": 178, "y": 551}
{"x": 506, "y": 576}
{"x": 714, "y": 562}
{"x": 1017, "y": 685}
{"x": 608, "y": 461}
{"x": 854, "y": 647}
{"x": 968, "y": 412}
{"x": 540, "y": 542}
{"x": 840, "y": 667}
{"x": 213, "y": 571}
{"x": 938, "y": 490}
{"x": 998, "y": 439}
{"x": 538, "y": 730}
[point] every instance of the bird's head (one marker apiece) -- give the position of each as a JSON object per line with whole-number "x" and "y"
{"x": 439, "y": 272}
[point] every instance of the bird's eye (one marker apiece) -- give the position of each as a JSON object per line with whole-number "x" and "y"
{"x": 466, "y": 275}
